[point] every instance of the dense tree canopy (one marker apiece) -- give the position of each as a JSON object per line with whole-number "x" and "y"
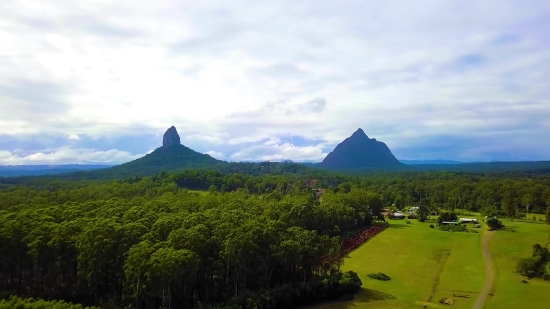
{"x": 147, "y": 242}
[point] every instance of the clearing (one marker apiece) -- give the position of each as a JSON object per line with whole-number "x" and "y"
{"x": 507, "y": 246}
{"x": 424, "y": 264}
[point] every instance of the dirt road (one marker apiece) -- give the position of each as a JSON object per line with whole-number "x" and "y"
{"x": 488, "y": 272}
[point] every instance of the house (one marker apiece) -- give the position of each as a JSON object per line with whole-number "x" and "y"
{"x": 397, "y": 215}
{"x": 413, "y": 210}
{"x": 467, "y": 220}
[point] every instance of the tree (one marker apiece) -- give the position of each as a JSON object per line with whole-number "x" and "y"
{"x": 444, "y": 216}
{"x": 399, "y": 202}
{"x": 423, "y": 212}
{"x": 494, "y": 224}
{"x": 548, "y": 213}
{"x": 510, "y": 208}
{"x": 527, "y": 201}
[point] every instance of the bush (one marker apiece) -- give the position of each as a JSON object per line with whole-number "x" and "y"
{"x": 453, "y": 228}
{"x": 379, "y": 276}
{"x": 432, "y": 226}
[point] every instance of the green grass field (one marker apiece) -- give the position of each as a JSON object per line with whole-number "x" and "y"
{"x": 507, "y": 247}
{"x": 427, "y": 264}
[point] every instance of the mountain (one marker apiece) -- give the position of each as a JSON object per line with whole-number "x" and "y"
{"x": 360, "y": 152}
{"x": 426, "y": 162}
{"x": 171, "y": 156}
{"x": 35, "y": 170}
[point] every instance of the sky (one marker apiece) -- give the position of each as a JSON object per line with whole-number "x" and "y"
{"x": 101, "y": 81}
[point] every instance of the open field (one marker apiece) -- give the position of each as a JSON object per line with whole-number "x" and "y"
{"x": 507, "y": 247}
{"x": 425, "y": 265}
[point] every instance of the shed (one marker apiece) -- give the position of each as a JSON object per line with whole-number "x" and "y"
{"x": 449, "y": 223}
{"x": 467, "y": 220}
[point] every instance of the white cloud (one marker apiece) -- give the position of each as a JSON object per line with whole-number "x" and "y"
{"x": 242, "y": 72}
{"x": 276, "y": 152}
{"x": 74, "y": 136}
{"x": 216, "y": 154}
{"x": 66, "y": 156}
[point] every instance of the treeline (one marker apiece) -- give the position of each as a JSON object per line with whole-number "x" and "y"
{"x": 447, "y": 190}
{"x": 15, "y": 302}
{"x": 168, "y": 247}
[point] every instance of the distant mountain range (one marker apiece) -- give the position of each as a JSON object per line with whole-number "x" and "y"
{"x": 418, "y": 162}
{"x": 356, "y": 153}
{"x": 36, "y": 170}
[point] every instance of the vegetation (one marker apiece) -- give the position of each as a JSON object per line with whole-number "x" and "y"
{"x": 30, "y": 303}
{"x": 447, "y": 217}
{"x": 506, "y": 249}
{"x": 494, "y": 224}
{"x": 379, "y": 276}
{"x": 147, "y": 243}
{"x": 453, "y": 228}
{"x": 424, "y": 265}
{"x": 212, "y": 239}
{"x": 534, "y": 266}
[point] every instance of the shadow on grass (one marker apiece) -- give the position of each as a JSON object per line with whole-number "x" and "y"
{"x": 368, "y": 295}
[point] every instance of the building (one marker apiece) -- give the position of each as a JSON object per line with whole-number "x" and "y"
{"x": 449, "y": 223}
{"x": 467, "y": 220}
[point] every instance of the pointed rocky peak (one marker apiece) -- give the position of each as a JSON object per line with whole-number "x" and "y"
{"x": 171, "y": 137}
{"x": 359, "y": 133}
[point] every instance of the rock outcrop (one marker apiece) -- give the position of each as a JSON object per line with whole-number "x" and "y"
{"x": 358, "y": 152}
{"x": 171, "y": 137}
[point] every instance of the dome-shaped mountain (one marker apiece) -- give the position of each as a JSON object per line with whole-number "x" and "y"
{"x": 358, "y": 152}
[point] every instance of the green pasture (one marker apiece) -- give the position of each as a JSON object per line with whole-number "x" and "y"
{"x": 424, "y": 264}
{"x": 507, "y": 246}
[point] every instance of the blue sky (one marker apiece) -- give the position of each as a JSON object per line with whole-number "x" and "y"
{"x": 100, "y": 81}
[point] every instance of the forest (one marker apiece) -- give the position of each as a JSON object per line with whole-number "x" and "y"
{"x": 244, "y": 241}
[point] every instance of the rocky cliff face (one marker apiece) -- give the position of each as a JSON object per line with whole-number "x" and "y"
{"x": 171, "y": 137}
{"x": 359, "y": 151}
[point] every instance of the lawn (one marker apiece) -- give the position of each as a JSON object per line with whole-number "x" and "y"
{"x": 425, "y": 265}
{"x": 507, "y": 247}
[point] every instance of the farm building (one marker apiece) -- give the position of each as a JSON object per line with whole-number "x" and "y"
{"x": 467, "y": 220}
{"x": 449, "y": 223}
{"x": 398, "y": 215}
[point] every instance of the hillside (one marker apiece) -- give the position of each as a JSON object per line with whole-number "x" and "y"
{"x": 360, "y": 152}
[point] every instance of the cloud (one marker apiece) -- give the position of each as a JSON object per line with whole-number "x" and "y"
{"x": 117, "y": 74}
{"x": 216, "y": 154}
{"x": 67, "y": 156}
{"x": 276, "y": 152}
{"x": 74, "y": 136}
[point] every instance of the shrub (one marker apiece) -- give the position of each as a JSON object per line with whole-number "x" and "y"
{"x": 379, "y": 276}
{"x": 453, "y": 228}
{"x": 432, "y": 226}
